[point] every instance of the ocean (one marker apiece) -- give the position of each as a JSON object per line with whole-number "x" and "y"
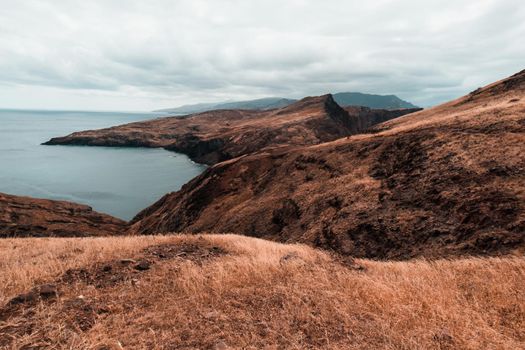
{"x": 116, "y": 181}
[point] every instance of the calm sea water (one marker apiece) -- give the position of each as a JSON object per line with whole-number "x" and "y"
{"x": 117, "y": 181}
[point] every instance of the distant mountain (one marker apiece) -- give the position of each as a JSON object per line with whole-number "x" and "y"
{"x": 189, "y": 109}
{"x": 260, "y": 104}
{"x": 344, "y": 99}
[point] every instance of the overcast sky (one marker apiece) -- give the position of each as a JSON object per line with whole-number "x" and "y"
{"x": 144, "y": 55}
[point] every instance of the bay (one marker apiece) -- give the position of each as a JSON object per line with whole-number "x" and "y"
{"x": 116, "y": 181}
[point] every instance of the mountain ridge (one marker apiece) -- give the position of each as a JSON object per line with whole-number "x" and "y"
{"x": 214, "y": 136}
{"x": 344, "y": 99}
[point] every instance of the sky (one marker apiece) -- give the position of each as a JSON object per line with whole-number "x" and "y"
{"x": 143, "y": 55}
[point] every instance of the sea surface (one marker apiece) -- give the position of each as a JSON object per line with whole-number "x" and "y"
{"x": 116, "y": 181}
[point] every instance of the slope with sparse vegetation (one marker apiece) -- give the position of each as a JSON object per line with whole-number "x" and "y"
{"x": 234, "y": 292}
{"x": 446, "y": 181}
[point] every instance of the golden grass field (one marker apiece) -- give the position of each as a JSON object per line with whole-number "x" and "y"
{"x": 255, "y": 294}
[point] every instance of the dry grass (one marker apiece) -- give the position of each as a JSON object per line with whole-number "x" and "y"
{"x": 25, "y": 262}
{"x": 268, "y": 295}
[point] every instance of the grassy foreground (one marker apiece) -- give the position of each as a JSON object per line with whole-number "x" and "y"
{"x": 234, "y": 292}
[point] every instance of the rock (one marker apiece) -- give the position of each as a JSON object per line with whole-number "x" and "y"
{"x": 47, "y": 291}
{"x": 143, "y": 265}
{"x": 24, "y": 298}
{"x": 127, "y": 261}
{"x": 44, "y": 292}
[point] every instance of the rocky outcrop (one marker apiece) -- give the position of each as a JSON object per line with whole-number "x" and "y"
{"x": 364, "y": 118}
{"x": 442, "y": 182}
{"x": 31, "y": 217}
{"x": 215, "y": 136}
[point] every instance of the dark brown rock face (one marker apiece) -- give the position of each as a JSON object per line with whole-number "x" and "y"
{"x": 447, "y": 181}
{"x": 364, "y": 118}
{"x": 30, "y": 217}
{"x": 215, "y": 136}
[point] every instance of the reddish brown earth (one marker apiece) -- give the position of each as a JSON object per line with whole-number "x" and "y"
{"x": 30, "y": 217}
{"x": 81, "y": 314}
{"x": 441, "y": 182}
{"x": 215, "y": 136}
{"x": 235, "y": 292}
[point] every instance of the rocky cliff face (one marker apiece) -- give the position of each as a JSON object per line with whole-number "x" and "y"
{"x": 215, "y": 136}
{"x": 31, "y": 217}
{"x": 442, "y": 182}
{"x": 364, "y": 118}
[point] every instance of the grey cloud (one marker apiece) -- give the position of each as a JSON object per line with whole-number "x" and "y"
{"x": 162, "y": 53}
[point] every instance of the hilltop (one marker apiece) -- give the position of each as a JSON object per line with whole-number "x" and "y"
{"x": 344, "y": 99}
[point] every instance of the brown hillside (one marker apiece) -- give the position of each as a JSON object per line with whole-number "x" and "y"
{"x": 31, "y": 217}
{"x": 232, "y": 292}
{"x": 440, "y": 182}
{"x": 214, "y": 136}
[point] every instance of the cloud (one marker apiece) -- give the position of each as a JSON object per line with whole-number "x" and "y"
{"x": 137, "y": 54}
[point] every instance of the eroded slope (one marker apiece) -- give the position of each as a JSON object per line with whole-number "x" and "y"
{"x": 31, "y": 217}
{"x": 446, "y": 181}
